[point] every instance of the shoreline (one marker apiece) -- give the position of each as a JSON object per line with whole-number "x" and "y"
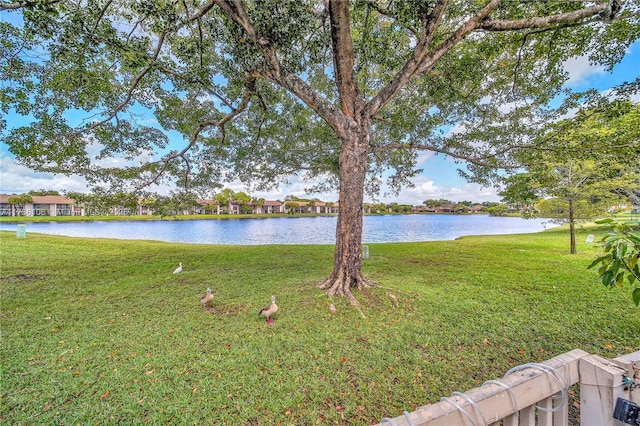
{"x": 302, "y": 230}
{"x": 33, "y": 219}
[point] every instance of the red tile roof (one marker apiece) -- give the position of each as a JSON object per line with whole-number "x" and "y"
{"x": 40, "y": 199}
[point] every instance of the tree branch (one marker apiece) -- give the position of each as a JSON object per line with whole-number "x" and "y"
{"x": 194, "y": 137}
{"x": 342, "y": 45}
{"x": 134, "y": 83}
{"x": 200, "y": 35}
{"x": 539, "y": 22}
{"x": 274, "y": 71}
{"x": 101, "y": 14}
{"x": 479, "y": 161}
{"x": 203, "y": 84}
{"x": 27, "y": 3}
{"x": 234, "y": 9}
{"x": 463, "y": 31}
{"x": 207, "y": 7}
{"x": 430, "y": 23}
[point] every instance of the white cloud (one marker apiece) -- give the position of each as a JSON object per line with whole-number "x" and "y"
{"x": 295, "y": 187}
{"x": 15, "y": 178}
{"x": 579, "y": 70}
{"x": 423, "y": 157}
{"x": 426, "y": 188}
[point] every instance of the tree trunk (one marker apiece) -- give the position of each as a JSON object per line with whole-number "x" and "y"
{"x": 572, "y": 228}
{"x": 347, "y": 264}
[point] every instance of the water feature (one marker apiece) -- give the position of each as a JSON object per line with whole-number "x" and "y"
{"x": 290, "y": 230}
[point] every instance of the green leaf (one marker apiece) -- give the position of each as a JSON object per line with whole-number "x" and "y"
{"x": 621, "y": 250}
{"x": 598, "y": 260}
{"x": 604, "y": 221}
{"x": 615, "y": 266}
{"x": 607, "y": 278}
{"x": 634, "y": 237}
{"x": 620, "y": 280}
{"x": 636, "y": 296}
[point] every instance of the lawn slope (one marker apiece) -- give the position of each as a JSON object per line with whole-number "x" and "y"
{"x": 99, "y": 331}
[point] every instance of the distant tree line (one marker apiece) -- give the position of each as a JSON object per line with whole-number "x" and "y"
{"x": 100, "y": 203}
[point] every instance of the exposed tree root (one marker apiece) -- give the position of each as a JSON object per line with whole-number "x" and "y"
{"x": 342, "y": 286}
{"x": 393, "y": 298}
{"x": 356, "y": 305}
{"x": 397, "y": 290}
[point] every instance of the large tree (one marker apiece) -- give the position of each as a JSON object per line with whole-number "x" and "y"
{"x": 589, "y": 166}
{"x": 570, "y": 192}
{"x": 339, "y": 90}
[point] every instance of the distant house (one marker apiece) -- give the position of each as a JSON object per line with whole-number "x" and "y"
{"x": 143, "y": 209}
{"x": 430, "y": 209}
{"x": 233, "y": 208}
{"x": 41, "y": 205}
{"x": 269, "y": 207}
{"x": 206, "y": 207}
{"x": 312, "y": 207}
{"x": 316, "y": 207}
{"x": 56, "y": 205}
{"x": 332, "y": 208}
{"x": 444, "y": 209}
{"x": 423, "y": 209}
{"x": 303, "y": 206}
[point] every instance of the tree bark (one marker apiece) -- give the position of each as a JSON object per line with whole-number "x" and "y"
{"x": 347, "y": 272}
{"x": 354, "y": 130}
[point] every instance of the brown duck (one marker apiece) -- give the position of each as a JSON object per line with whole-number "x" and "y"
{"x": 207, "y": 298}
{"x": 269, "y": 310}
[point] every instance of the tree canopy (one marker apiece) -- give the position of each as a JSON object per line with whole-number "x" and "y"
{"x": 570, "y": 185}
{"x": 340, "y": 91}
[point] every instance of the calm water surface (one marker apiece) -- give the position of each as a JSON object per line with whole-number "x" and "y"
{"x": 298, "y": 230}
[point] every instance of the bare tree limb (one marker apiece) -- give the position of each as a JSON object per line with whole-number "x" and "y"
{"x": 101, "y": 14}
{"x": 464, "y": 30}
{"x": 27, "y": 3}
{"x": 342, "y": 45}
{"x": 135, "y": 82}
{"x": 164, "y": 162}
{"x": 541, "y": 22}
{"x": 409, "y": 70}
{"x": 203, "y": 84}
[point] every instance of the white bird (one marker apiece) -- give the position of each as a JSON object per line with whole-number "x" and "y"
{"x": 207, "y": 298}
{"x": 178, "y": 269}
{"x": 269, "y": 310}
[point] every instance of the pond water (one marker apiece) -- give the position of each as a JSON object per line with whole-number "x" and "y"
{"x": 291, "y": 230}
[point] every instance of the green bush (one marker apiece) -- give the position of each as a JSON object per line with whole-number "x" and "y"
{"x": 622, "y": 251}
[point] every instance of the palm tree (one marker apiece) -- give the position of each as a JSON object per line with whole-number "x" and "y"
{"x": 18, "y": 201}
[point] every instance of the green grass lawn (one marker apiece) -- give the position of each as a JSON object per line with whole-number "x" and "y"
{"x": 98, "y": 331}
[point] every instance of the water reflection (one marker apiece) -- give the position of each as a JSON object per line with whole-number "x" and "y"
{"x": 294, "y": 230}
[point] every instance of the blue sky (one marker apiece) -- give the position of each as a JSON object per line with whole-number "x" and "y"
{"x": 439, "y": 179}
